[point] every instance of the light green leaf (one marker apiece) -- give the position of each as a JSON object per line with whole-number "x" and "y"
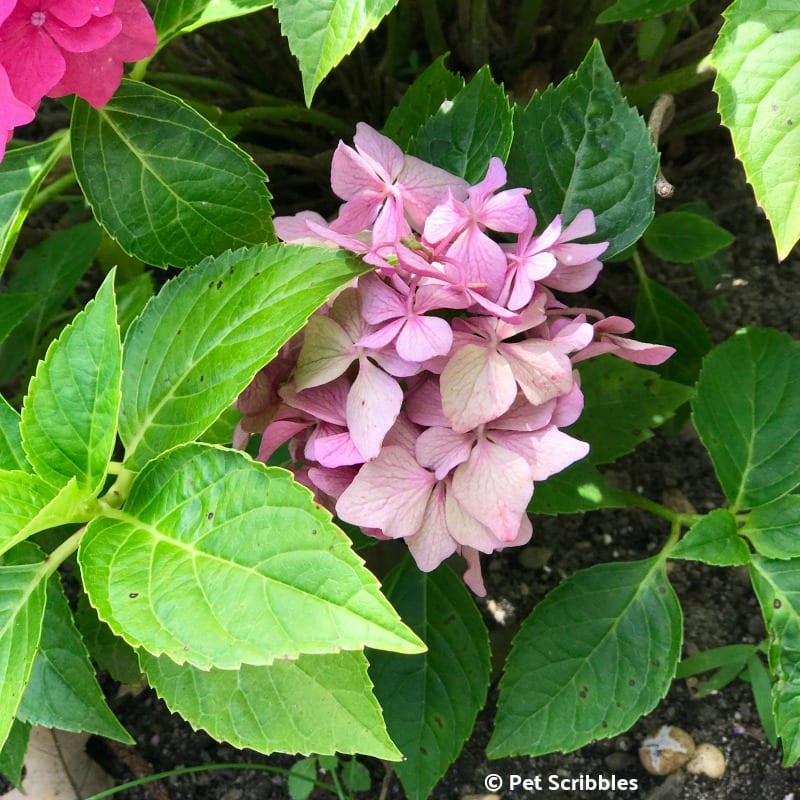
{"x": 463, "y": 135}
{"x": 63, "y": 691}
{"x": 595, "y": 655}
{"x": 221, "y": 431}
{"x": 430, "y": 701}
{"x": 580, "y": 487}
{"x": 50, "y": 271}
{"x": 163, "y": 181}
{"x": 132, "y": 297}
{"x": 714, "y": 539}
{"x": 707, "y": 660}
{"x": 315, "y": 704}
{"x": 22, "y": 602}
{"x": 421, "y": 101}
{"x": 774, "y": 529}
{"x": 748, "y": 417}
{"x": 684, "y": 237}
{"x": 31, "y": 504}
{"x": 202, "y": 339}
{"x": 777, "y": 586}
{"x": 580, "y": 145}
{"x": 757, "y": 58}
{"x": 761, "y": 685}
{"x": 301, "y": 778}
{"x": 174, "y": 17}
{"x": 217, "y": 560}
{"x": 12, "y": 456}
{"x": 322, "y": 32}
{"x": 662, "y": 317}
{"x": 13, "y": 309}
{"x": 69, "y": 416}
{"x": 627, "y": 10}
{"x": 21, "y": 175}
{"x": 355, "y": 776}
{"x": 12, "y": 754}
{"x": 623, "y": 403}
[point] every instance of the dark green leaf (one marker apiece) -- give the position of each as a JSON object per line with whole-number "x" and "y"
{"x": 173, "y": 17}
{"x": 430, "y": 701}
{"x": 777, "y": 586}
{"x": 579, "y": 487}
{"x": 63, "y": 691}
{"x": 50, "y": 271}
{"x": 356, "y": 776}
{"x": 198, "y": 344}
{"x": 774, "y": 529}
{"x": 12, "y": 754}
{"x": 580, "y": 145}
{"x": 69, "y": 416}
{"x": 13, "y": 309}
{"x": 627, "y": 10}
{"x": 714, "y": 539}
{"x": 465, "y": 134}
{"x": 313, "y": 704}
{"x": 761, "y": 684}
{"x": 421, "y": 101}
{"x": 714, "y": 659}
{"x": 748, "y": 417}
{"x": 623, "y": 403}
{"x": 165, "y": 183}
{"x": 684, "y": 237}
{"x": 302, "y": 776}
{"x": 12, "y": 456}
{"x": 132, "y": 297}
{"x": 595, "y": 655}
{"x": 200, "y": 520}
{"x": 664, "y": 318}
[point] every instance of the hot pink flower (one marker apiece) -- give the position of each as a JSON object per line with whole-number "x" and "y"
{"x": 13, "y": 112}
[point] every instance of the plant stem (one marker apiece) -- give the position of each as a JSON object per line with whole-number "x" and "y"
{"x": 63, "y": 551}
{"x": 432, "y": 25}
{"x": 294, "y": 113}
{"x": 339, "y": 791}
{"x": 674, "y": 517}
{"x": 193, "y": 81}
{"x": 673, "y": 82}
{"x": 118, "y": 493}
{"x": 159, "y": 776}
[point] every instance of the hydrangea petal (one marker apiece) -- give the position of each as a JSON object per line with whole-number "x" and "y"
{"x": 547, "y": 451}
{"x": 326, "y": 353}
{"x": 442, "y": 449}
{"x": 465, "y": 529}
{"x": 433, "y": 543}
{"x": 540, "y": 369}
{"x": 372, "y": 407}
{"x": 424, "y": 337}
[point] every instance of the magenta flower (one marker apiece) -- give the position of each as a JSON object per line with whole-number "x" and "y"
{"x": 13, "y": 112}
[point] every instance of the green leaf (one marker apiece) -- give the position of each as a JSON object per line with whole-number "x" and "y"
{"x": 715, "y": 658}
{"x": 69, "y": 417}
{"x": 13, "y": 309}
{"x": 757, "y": 56}
{"x": 109, "y": 652}
{"x": 31, "y": 504}
{"x": 202, "y": 339}
{"x": 462, "y": 136}
{"x": 50, "y": 271}
{"x": 356, "y": 776}
{"x": 301, "y": 778}
{"x": 684, "y": 237}
{"x": 221, "y": 431}
{"x": 627, "y": 10}
{"x": 12, "y": 456}
{"x": 714, "y": 539}
{"x": 777, "y": 586}
{"x": 132, "y": 297}
{"x": 595, "y": 655}
{"x": 12, "y": 754}
{"x": 430, "y": 701}
{"x": 314, "y": 704}
{"x": 580, "y": 487}
{"x": 421, "y": 101}
{"x": 774, "y": 529}
{"x": 623, "y": 403}
{"x": 22, "y": 601}
{"x": 174, "y": 17}
{"x": 63, "y": 691}
{"x": 580, "y": 145}
{"x": 163, "y": 181}
{"x": 761, "y": 685}
{"x": 21, "y": 175}
{"x": 201, "y": 520}
{"x": 748, "y": 417}
{"x": 322, "y": 32}
{"x": 664, "y": 318}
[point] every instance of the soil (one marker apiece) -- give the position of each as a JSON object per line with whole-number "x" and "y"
{"x": 718, "y": 604}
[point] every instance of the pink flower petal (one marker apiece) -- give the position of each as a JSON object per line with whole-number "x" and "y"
{"x": 424, "y": 186}
{"x": 277, "y": 433}
{"x": 327, "y": 402}
{"x": 424, "y": 404}
{"x": 573, "y": 278}
{"x": 482, "y": 262}
{"x": 296, "y": 228}
{"x": 424, "y": 337}
{"x": 546, "y": 451}
{"x": 472, "y": 577}
{"x": 433, "y": 543}
{"x": 506, "y": 212}
{"x": 351, "y": 174}
{"x": 442, "y": 449}
{"x": 390, "y": 493}
{"x": 332, "y": 447}
{"x": 446, "y": 221}
{"x": 326, "y": 353}
{"x": 379, "y": 301}
{"x": 96, "y": 33}
{"x": 477, "y": 385}
{"x": 78, "y": 12}
{"x": 372, "y": 407}
{"x": 465, "y": 529}
{"x": 382, "y": 155}
{"x": 540, "y": 369}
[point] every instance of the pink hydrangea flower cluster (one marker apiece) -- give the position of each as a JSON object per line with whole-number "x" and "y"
{"x": 58, "y": 47}
{"x": 427, "y": 399}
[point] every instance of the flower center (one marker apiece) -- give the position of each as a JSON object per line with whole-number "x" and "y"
{"x": 38, "y": 18}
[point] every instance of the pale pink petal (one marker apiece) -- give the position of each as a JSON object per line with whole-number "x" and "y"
{"x": 472, "y": 577}
{"x": 424, "y": 404}
{"x": 372, "y": 407}
{"x": 494, "y": 179}
{"x": 332, "y": 481}
{"x": 346, "y": 310}
{"x": 423, "y": 186}
{"x": 391, "y": 361}
{"x": 582, "y": 225}
{"x": 547, "y": 451}
{"x": 446, "y": 221}
{"x": 477, "y": 385}
{"x": 403, "y": 434}
{"x": 382, "y": 155}
{"x": 433, "y": 543}
{"x": 495, "y": 486}
{"x": 296, "y": 228}
{"x": 482, "y": 262}
{"x": 352, "y": 174}
{"x": 379, "y": 301}
{"x": 390, "y": 493}
{"x": 359, "y": 212}
{"x": 424, "y": 337}
{"x": 635, "y": 351}
{"x": 277, "y": 433}
{"x": 523, "y": 416}
{"x": 506, "y": 212}
{"x": 332, "y": 447}
{"x": 326, "y": 353}
{"x": 541, "y": 371}
{"x": 573, "y": 278}
{"x": 569, "y": 406}
{"x": 390, "y": 225}
{"x": 327, "y": 402}
{"x": 465, "y": 529}
{"x": 442, "y": 449}
{"x": 382, "y": 336}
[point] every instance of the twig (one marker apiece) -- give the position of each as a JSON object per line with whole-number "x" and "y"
{"x": 660, "y": 117}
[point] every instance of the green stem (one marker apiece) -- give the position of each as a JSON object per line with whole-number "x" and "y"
{"x": 432, "y": 26}
{"x": 63, "y": 551}
{"x": 673, "y": 82}
{"x": 193, "y": 82}
{"x": 638, "y": 265}
{"x": 120, "y": 489}
{"x": 160, "y": 776}
{"x": 140, "y": 68}
{"x": 53, "y": 190}
{"x": 337, "y": 784}
{"x": 294, "y": 113}
{"x": 674, "y": 517}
